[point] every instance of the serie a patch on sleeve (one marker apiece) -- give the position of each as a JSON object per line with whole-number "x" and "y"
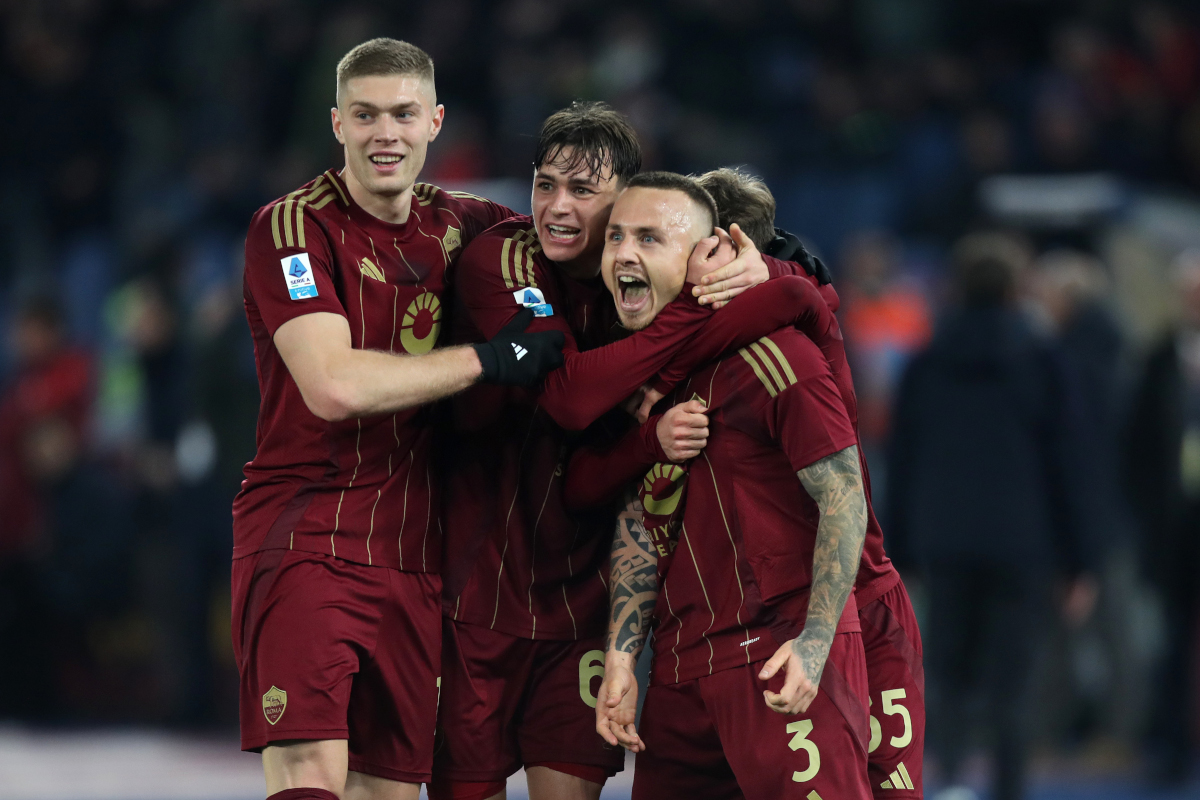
{"x": 297, "y": 271}
{"x": 533, "y": 298}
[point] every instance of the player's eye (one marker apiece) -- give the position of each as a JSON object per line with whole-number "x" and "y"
{"x": 614, "y": 236}
{"x": 583, "y": 192}
{"x": 363, "y": 115}
{"x": 545, "y": 186}
{"x": 405, "y": 115}
{"x": 647, "y": 239}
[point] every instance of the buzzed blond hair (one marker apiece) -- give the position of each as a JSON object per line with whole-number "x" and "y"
{"x": 384, "y": 56}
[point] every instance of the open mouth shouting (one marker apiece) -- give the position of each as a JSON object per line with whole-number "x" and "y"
{"x": 633, "y": 292}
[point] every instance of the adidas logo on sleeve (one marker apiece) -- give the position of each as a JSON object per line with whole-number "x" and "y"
{"x": 520, "y": 351}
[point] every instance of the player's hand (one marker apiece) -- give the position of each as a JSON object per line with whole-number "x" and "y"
{"x": 710, "y": 253}
{"x": 634, "y": 401}
{"x": 683, "y": 430}
{"x": 648, "y": 402}
{"x": 804, "y": 661}
{"x": 720, "y": 286}
{"x": 616, "y": 705}
{"x": 514, "y": 357}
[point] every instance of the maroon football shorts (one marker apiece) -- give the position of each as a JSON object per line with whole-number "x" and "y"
{"x": 330, "y": 649}
{"x": 509, "y": 702}
{"x": 715, "y": 737}
{"x": 896, "y": 680}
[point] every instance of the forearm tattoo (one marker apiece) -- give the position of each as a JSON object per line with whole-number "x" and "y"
{"x": 633, "y": 584}
{"x": 835, "y": 484}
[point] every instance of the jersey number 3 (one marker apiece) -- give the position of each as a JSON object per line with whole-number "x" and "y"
{"x": 801, "y": 729}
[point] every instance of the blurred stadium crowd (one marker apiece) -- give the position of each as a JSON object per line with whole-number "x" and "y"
{"x": 144, "y": 133}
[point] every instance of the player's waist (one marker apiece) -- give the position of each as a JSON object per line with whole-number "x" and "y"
{"x": 678, "y": 658}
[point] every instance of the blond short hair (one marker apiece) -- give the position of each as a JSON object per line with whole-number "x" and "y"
{"x": 384, "y": 56}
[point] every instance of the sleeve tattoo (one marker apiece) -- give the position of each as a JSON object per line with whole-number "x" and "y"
{"x": 633, "y": 581}
{"x": 835, "y": 484}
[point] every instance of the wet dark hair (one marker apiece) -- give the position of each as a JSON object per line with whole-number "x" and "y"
{"x": 673, "y": 181}
{"x": 596, "y": 133}
{"x": 744, "y": 199}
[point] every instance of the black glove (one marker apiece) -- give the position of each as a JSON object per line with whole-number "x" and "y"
{"x": 788, "y": 247}
{"x": 516, "y": 358}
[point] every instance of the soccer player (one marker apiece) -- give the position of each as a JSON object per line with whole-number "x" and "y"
{"x": 891, "y": 638}
{"x": 525, "y": 591}
{"x": 760, "y": 605}
{"x": 336, "y": 594}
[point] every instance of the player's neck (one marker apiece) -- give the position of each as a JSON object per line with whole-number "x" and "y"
{"x": 389, "y": 208}
{"x": 584, "y": 268}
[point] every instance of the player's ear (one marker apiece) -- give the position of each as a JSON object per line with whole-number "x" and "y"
{"x": 439, "y": 113}
{"x": 337, "y": 124}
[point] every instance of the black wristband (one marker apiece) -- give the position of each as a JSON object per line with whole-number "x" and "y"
{"x": 487, "y": 360}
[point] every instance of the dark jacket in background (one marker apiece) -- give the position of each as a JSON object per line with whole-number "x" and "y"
{"x": 984, "y": 461}
{"x": 1169, "y": 539}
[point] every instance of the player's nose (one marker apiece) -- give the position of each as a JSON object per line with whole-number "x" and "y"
{"x": 558, "y": 204}
{"x": 387, "y": 129}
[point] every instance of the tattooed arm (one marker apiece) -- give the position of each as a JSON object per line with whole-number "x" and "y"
{"x": 633, "y": 591}
{"x": 835, "y": 484}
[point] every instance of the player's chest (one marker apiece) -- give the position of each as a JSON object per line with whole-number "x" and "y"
{"x": 392, "y": 289}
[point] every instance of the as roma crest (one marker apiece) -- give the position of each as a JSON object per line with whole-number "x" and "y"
{"x": 452, "y": 240}
{"x": 274, "y": 703}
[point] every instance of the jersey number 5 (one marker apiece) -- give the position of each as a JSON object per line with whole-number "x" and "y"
{"x": 890, "y": 707}
{"x": 801, "y": 729}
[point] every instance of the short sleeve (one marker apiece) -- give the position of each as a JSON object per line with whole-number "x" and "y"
{"x": 494, "y": 267}
{"x": 285, "y": 281}
{"x": 805, "y": 415}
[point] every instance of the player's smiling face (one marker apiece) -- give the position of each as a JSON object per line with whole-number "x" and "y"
{"x": 571, "y": 204}
{"x": 386, "y": 123}
{"x": 650, "y": 234}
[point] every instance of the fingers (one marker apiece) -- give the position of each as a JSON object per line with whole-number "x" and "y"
{"x": 651, "y": 399}
{"x": 740, "y": 238}
{"x": 772, "y": 666}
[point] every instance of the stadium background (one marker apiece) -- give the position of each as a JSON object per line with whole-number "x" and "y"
{"x": 142, "y": 134}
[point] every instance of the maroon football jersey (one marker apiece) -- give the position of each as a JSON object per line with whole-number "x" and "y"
{"x": 734, "y": 575}
{"x": 876, "y": 574}
{"x": 517, "y": 561}
{"x": 361, "y": 489}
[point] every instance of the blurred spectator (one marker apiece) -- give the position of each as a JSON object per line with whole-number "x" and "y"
{"x": 886, "y": 320}
{"x": 1162, "y": 473}
{"x": 983, "y": 498}
{"x": 44, "y": 414}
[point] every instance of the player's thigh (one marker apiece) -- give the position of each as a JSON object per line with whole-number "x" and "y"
{"x": 485, "y": 674}
{"x": 818, "y": 753}
{"x": 558, "y": 723}
{"x": 360, "y": 786}
{"x": 308, "y": 764}
{"x": 307, "y": 622}
{"x": 547, "y": 783}
{"x": 393, "y": 704}
{"x": 683, "y": 759}
{"x": 891, "y": 642}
